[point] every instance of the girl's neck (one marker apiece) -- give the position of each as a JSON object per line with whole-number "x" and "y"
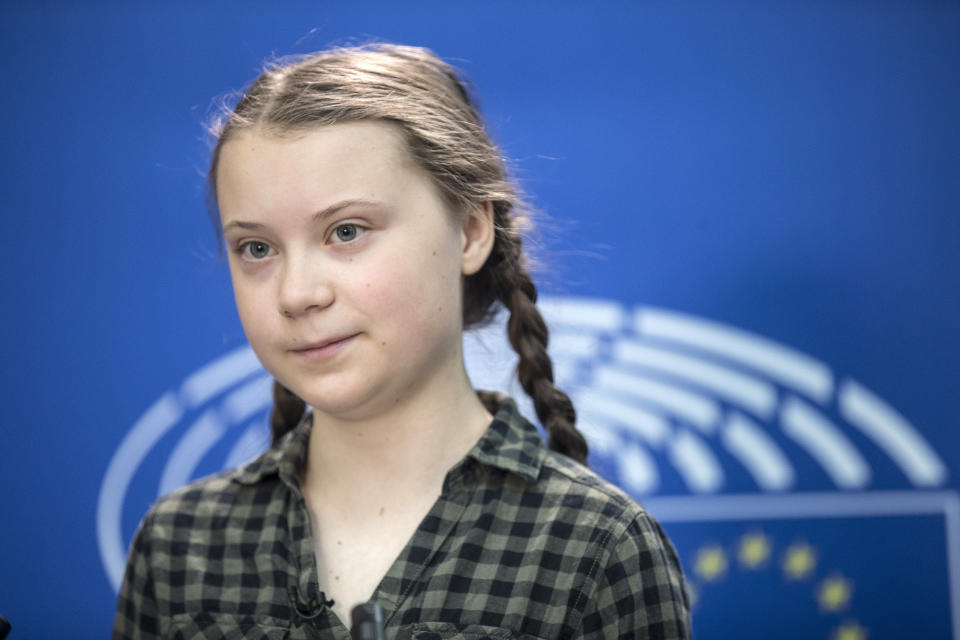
{"x": 400, "y": 452}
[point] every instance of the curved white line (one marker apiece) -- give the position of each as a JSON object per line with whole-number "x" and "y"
{"x": 188, "y": 452}
{"x": 146, "y": 431}
{"x": 758, "y": 453}
{"x": 564, "y": 373}
{"x": 746, "y": 391}
{"x": 566, "y": 344}
{"x": 491, "y": 336}
{"x": 248, "y": 399}
{"x": 218, "y": 375}
{"x": 490, "y": 360}
{"x": 648, "y": 426}
{"x": 601, "y": 435}
{"x": 892, "y": 433}
{"x": 821, "y": 438}
{"x": 582, "y": 313}
{"x": 696, "y": 464}
{"x": 251, "y": 443}
{"x": 638, "y": 471}
{"x": 781, "y": 363}
{"x": 700, "y": 411}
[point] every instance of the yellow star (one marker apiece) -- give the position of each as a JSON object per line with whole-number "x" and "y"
{"x": 799, "y": 561}
{"x": 850, "y": 631}
{"x": 711, "y": 563}
{"x": 834, "y": 593}
{"x": 754, "y": 550}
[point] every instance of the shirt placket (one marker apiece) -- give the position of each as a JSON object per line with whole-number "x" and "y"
{"x": 326, "y": 624}
{"x": 427, "y": 540}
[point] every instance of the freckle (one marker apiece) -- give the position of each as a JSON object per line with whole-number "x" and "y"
{"x": 440, "y": 308}
{"x": 381, "y": 510}
{"x": 339, "y": 541}
{"x": 336, "y": 577}
{"x": 383, "y": 343}
{"x": 434, "y": 253}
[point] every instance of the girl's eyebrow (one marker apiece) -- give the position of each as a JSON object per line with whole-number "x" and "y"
{"x": 343, "y": 204}
{"x": 319, "y": 215}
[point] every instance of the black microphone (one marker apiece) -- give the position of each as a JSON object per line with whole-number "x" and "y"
{"x": 366, "y": 621}
{"x": 307, "y": 610}
{"x": 4, "y": 627}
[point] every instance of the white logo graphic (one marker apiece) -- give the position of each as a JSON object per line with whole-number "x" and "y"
{"x": 656, "y": 392}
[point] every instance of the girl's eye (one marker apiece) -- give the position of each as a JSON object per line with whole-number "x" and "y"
{"x": 347, "y": 232}
{"x": 256, "y": 250}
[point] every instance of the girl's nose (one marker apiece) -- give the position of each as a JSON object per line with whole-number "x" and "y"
{"x": 303, "y": 287}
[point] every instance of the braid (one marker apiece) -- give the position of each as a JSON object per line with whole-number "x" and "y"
{"x": 288, "y": 410}
{"x": 528, "y": 335}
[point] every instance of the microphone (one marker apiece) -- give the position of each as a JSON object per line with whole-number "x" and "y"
{"x": 4, "y": 627}
{"x": 307, "y": 610}
{"x": 366, "y": 621}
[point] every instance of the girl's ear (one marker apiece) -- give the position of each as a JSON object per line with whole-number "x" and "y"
{"x": 476, "y": 239}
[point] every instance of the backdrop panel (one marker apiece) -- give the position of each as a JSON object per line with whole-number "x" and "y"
{"x": 749, "y": 250}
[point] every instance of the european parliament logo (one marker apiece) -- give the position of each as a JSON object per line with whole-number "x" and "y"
{"x": 801, "y": 503}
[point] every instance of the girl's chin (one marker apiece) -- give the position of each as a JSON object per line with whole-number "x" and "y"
{"x": 343, "y": 405}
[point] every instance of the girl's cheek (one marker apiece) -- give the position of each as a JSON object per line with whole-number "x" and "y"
{"x": 386, "y": 296}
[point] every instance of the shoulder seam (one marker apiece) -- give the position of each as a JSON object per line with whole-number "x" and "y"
{"x": 598, "y": 484}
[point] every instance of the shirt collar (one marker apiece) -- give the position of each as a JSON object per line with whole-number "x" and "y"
{"x": 510, "y": 443}
{"x": 284, "y": 457}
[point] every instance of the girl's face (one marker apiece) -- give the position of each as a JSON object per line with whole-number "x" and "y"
{"x": 346, "y": 264}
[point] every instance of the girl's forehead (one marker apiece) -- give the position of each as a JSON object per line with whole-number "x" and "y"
{"x": 360, "y": 151}
{"x": 261, "y": 171}
{"x": 372, "y": 139}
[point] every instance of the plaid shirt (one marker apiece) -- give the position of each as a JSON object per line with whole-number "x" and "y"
{"x": 522, "y": 543}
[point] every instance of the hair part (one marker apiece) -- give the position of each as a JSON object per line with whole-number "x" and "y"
{"x": 432, "y": 105}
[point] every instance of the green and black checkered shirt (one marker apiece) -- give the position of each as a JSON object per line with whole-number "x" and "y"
{"x": 522, "y": 543}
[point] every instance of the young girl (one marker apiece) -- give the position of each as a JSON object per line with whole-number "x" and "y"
{"x": 369, "y": 220}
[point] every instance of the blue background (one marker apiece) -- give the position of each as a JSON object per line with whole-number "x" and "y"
{"x": 791, "y": 169}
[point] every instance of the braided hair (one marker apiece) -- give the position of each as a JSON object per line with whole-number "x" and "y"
{"x": 431, "y": 104}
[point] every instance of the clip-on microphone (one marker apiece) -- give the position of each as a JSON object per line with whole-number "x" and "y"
{"x": 366, "y": 621}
